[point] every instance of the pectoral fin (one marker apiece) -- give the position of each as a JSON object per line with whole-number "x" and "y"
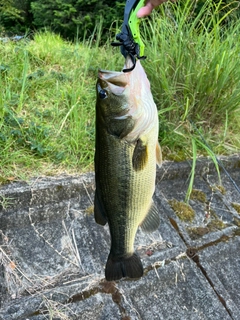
{"x": 99, "y": 212}
{"x": 140, "y": 155}
{"x": 158, "y": 154}
{"x": 152, "y": 220}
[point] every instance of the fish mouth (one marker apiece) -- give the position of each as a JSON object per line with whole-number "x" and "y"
{"x": 116, "y": 78}
{"x": 115, "y": 82}
{"x": 113, "y": 77}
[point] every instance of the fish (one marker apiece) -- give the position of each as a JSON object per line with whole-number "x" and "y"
{"x": 126, "y": 153}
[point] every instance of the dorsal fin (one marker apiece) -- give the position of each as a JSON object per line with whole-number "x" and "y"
{"x": 158, "y": 154}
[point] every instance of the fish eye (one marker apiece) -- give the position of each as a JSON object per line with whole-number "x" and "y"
{"x": 102, "y": 94}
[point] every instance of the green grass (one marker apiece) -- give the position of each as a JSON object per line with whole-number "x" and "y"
{"x": 195, "y": 73}
{"x": 47, "y": 96}
{"x": 47, "y": 105}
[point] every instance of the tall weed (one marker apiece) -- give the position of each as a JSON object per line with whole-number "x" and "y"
{"x": 194, "y": 70}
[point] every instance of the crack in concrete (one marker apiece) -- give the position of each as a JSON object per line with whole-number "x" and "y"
{"x": 106, "y": 287}
{"x": 192, "y": 253}
{"x": 101, "y": 286}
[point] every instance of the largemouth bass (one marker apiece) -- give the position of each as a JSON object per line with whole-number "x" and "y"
{"x": 126, "y": 154}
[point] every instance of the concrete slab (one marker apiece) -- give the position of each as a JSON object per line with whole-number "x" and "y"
{"x": 177, "y": 290}
{"x": 53, "y": 254}
{"x": 221, "y": 265}
{"x": 212, "y": 202}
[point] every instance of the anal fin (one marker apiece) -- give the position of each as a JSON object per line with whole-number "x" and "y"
{"x": 152, "y": 220}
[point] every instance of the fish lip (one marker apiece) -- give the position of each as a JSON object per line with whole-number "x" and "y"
{"x": 106, "y": 74}
{"x": 129, "y": 64}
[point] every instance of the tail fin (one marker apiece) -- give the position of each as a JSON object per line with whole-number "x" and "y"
{"x": 117, "y": 268}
